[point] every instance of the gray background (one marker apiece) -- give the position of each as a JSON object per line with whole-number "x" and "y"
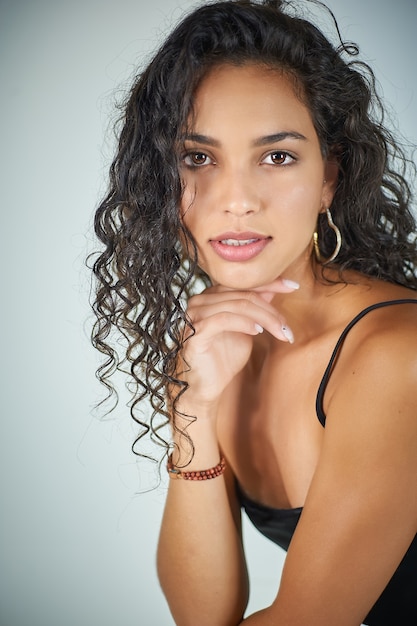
{"x": 77, "y": 543}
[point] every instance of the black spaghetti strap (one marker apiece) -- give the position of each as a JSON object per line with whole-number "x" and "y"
{"x": 323, "y": 384}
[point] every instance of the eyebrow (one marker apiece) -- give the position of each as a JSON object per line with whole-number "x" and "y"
{"x": 204, "y": 139}
{"x": 262, "y": 141}
{"x": 276, "y": 137}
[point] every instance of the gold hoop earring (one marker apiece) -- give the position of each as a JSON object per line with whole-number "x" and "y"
{"x": 338, "y": 235}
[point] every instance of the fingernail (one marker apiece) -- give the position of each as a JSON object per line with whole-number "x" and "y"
{"x": 259, "y": 328}
{"x": 290, "y": 283}
{"x": 287, "y": 332}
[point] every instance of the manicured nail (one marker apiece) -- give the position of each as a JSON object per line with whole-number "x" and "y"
{"x": 259, "y": 328}
{"x": 290, "y": 283}
{"x": 287, "y": 332}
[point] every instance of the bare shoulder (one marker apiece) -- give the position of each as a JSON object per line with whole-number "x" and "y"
{"x": 374, "y": 388}
{"x": 385, "y": 342}
{"x": 382, "y": 345}
{"x": 371, "y": 413}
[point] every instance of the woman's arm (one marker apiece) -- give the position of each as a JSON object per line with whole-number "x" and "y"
{"x": 360, "y": 515}
{"x": 201, "y": 563}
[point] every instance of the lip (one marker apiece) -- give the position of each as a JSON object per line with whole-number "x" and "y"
{"x": 239, "y": 252}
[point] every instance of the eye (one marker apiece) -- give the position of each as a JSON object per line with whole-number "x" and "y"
{"x": 197, "y": 159}
{"x": 278, "y": 157}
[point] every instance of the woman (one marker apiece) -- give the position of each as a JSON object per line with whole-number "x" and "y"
{"x": 252, "y": 167}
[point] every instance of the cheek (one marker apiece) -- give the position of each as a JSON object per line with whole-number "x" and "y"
{"x": 307, "y": 199}
{"x": 298, "y": 203}
{"x": 189, "y": 216}
{"x": 187, "y": 202}
{"x": 194, "y": 211}
{"x": 298, "y": 211}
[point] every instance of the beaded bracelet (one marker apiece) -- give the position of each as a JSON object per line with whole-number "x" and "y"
{"x": 213, "y": 472}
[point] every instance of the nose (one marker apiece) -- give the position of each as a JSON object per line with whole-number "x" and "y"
{"x": 239, "y": 194}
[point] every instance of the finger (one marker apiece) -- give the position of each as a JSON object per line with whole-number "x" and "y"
{"x": 222, "y": 294}
{"x": 258, "y": 315}
{"x": 281, "y": 285}
{"x": 266, "y": 292}
{"x": 244, "y": 303}
{"x": 225, "y": 321}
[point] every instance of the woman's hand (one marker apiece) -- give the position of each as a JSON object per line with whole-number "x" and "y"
{"x": 225, "y": 322}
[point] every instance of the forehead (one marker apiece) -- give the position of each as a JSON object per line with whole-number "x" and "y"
{"x": 250, "y": 93}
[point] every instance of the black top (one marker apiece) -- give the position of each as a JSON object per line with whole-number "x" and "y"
{"x": 397, "y": 605}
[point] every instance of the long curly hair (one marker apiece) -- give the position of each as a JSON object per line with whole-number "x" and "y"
{"x": 143, "y": 277}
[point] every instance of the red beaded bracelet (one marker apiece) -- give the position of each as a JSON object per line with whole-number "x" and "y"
{"x": 213, "y": 472}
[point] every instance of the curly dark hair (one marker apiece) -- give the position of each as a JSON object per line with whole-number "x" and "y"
{"x": 142, "y": 277}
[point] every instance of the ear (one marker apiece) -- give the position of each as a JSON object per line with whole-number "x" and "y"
{"x": 331, "y": 176}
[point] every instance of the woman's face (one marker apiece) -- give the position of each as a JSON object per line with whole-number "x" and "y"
{"x": 254, "y": 177}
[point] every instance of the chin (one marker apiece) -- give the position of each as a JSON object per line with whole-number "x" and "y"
{"x": 242, "y": 280}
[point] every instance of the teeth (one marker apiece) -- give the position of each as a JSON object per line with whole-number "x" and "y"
{"x": 237, "y": 242}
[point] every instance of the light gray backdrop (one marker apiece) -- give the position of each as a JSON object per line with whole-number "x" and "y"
{"x": 77, "y": 542}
